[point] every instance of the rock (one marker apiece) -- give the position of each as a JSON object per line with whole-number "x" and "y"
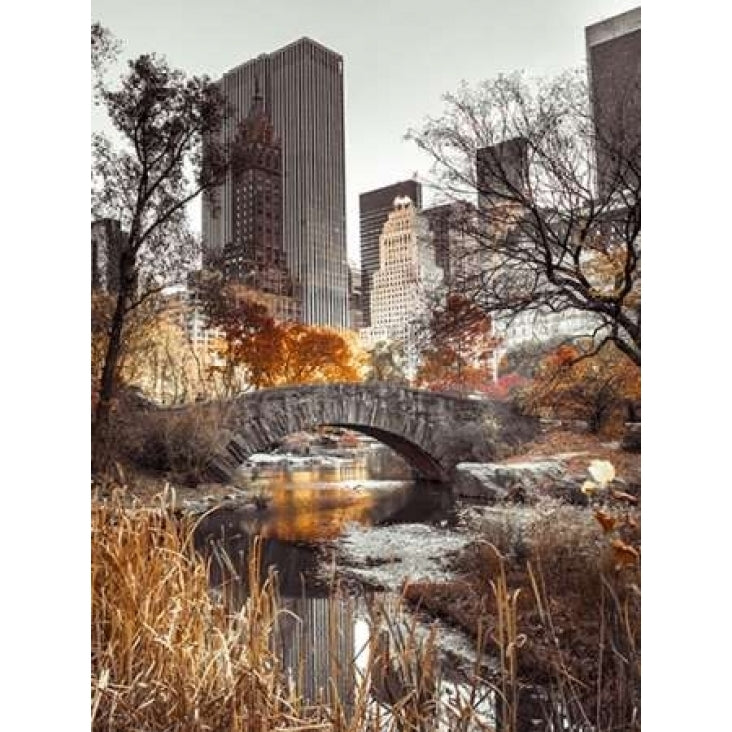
{"x": 579, "y": 425}
{"x": 569, "y": 490}
{"x": 515, "y": 482}
{"x": 632, "y": 437}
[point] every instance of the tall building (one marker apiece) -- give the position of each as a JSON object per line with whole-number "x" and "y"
{"x": 301, "y": 88}
{"x": 107, "y": 241}
{"x": 374, "y": 208}
{"x": 255, "y": 255}
{"x": 614, "y": 68}
{"x": 501, "y": 169}
{"x": 459, "y": 251}
{"x": 355, "y": 296}
{"x": 407, "y": 275}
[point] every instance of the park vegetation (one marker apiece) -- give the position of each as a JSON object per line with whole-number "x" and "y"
{"x": 565, "y": 624}
{"x": 602, "y": 390}
{"x": 458, "y": 350}
{"x": 553, "y": 599}
{"x": 144, "y": 178}
{"x": 167, "y": 653}
{"x": 255, "y": 351}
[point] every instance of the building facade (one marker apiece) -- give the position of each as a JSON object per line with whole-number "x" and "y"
{"x": 614, "y": 67}
{"x": 406, "y": 277}
{"x": 355, "y": 296}
{"x": 374, "y": 208}
{"x": 460, "y": 252}
{"x": 107, "y": 242}
{"x": 255, "y": 255}
{"x": 542, "y": 326}
{"x": 501, "y": 169}
{"x": 181, "y": 304}
{"x": 301, "y": 88}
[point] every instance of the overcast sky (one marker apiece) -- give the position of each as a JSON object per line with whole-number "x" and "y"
{"x": 399, "y": 57}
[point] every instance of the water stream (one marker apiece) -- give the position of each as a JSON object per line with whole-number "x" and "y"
{"x": 311, "y": 502}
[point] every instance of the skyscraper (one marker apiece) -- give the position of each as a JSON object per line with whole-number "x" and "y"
{"x": 374, "y": 208}
{"x": 255, "y": 256}
{"x": 301, "y": 87}
{"x": 459, "y": 252}
{"x": 614, "y": 67}
{"x": 406, "y": 278}
{"x": 501, "y": 169}
{"x": 355, "y": 296}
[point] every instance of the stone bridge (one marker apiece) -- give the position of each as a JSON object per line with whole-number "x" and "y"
{"x": 431, "y": 431}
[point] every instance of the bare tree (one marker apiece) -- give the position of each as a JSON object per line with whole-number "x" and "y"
{"x": 553, "y": 240}
{"x": 161, "y": 117}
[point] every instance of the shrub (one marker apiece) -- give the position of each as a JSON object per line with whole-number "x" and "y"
{"x": 180, "y": 442}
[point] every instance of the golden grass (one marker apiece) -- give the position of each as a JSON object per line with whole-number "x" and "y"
{"x": 167, "y": 655}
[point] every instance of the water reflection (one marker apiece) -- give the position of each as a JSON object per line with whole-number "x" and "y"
{"x": 316, "y": 503}
{"x": 316, "y": 642}
{"x": 319, "y": 634}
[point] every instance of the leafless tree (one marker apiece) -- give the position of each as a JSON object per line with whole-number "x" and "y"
{"x": 552, "y": 240}
{"x": 145, "y": 181}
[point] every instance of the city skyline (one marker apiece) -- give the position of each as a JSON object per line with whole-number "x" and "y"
{"x": 391, "y": 80}
{"x": 301, "y": 88}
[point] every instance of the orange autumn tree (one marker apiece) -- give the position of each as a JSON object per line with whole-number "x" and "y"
{"x": 595, "y": 389}
{"x": 304, "y": 354}
{"x": 256, "y": 351}
{"x": 459, "y": 346}
{"x": 248, "y": 342}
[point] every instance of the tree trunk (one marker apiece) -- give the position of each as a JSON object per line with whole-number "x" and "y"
{"x": 101, "y": 426}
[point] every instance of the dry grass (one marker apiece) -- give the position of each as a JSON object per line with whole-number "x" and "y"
{"x": 167, "y": 655}
{"x": 550, "y": 577}
{"x": 561, "y": 620}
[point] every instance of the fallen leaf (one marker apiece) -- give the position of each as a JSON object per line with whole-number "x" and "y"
{"x": 624, "y": 553}
{"x": 603, "y": 471}
{"x": 589, "y": 488}
{"x": 605, "y": 520}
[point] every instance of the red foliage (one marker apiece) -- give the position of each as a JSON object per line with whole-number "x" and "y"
{"x": 504, "y": 387}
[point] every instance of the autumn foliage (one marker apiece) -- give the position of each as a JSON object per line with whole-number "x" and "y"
{"x": 597, "y": 389}
{"x": 257, "y": 351}
{"x": 156, "y": 355}
{"x": 459, "y": 348}
{"x": 505, "y": 386}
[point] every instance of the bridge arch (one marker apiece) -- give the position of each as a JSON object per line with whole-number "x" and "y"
{"x": 416, "y": 424}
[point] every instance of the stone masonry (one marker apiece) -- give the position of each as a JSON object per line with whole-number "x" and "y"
{"x": 416, "y": 424}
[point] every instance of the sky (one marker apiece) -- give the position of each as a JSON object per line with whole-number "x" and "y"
{"x": 399, "y": 58}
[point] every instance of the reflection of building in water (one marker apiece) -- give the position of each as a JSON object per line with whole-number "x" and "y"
{"x": 317, "y": 647}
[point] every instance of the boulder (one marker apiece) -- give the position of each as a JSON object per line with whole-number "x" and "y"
{"x": 515, "y": 482}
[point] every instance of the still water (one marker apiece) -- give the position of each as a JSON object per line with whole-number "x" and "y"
{"x": 309, "y": 505}
{"x": 322, "y": 634}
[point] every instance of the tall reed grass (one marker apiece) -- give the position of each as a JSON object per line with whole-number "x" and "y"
{"x": 170, "y": 654}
